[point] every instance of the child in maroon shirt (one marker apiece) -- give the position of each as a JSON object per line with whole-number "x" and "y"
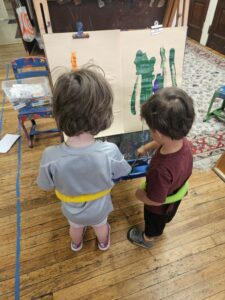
{"x": 169, "y": 114}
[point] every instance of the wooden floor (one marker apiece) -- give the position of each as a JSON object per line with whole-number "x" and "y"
{"x": 187, "y": 262}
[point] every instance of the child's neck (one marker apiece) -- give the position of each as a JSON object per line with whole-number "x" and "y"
{"x": 171, "y": 146}
{"x": 82, "y": 140}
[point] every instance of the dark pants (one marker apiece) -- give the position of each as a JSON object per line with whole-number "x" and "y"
{"x": 155, "y": 224}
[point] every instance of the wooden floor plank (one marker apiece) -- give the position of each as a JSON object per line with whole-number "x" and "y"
{"x": 152, "y": 283}
{"x": 197, "y": 283}
{"x": 217, "y": 296}
{"x": 132, "y": 270}
{"x": 84, "y": 274}
{"x": 144, "y": 264}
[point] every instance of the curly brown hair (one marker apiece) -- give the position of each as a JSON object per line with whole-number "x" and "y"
{"x": 170, "y": 111}
{"x": 82, "y": 102}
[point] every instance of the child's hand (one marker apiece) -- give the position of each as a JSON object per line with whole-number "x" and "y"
{"x": 141, "y": 151}
{"x": 140, "y": 194}
{"x": 149, "y": 147}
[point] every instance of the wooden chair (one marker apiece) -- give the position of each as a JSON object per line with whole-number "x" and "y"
{"x": 219, "y": 112}
{"x": 29, "y": 67}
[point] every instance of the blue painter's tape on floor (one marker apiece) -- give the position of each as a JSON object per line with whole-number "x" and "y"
{"x": 18, "y": 221}
{"x": 17, "y": 270}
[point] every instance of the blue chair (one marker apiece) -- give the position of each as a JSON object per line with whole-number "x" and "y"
{"x": 29, "y": 67}
{"x": 219, "y": 112}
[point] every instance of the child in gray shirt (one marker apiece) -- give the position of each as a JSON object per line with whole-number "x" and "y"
{"x": 82, "y": 170}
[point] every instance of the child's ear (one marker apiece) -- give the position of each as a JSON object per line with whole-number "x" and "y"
{"x": 158, "y": 134}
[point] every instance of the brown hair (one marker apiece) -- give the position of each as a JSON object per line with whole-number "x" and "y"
{"x": 170, "y": 111}
{"x": 82, "y": 102}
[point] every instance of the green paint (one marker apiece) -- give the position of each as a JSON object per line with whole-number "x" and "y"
{"x": 145, "y": 69}
{"x": 172, "y": 67}
{"x": 163, "y": 66}
{"x": 147, "y": 77}
{"x": 133, "y": 98}
{"x": 160, "y": 77}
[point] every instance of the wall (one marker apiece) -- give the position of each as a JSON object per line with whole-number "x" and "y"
{"x": 3, "y": 11}
{"x": 117, "y": 14}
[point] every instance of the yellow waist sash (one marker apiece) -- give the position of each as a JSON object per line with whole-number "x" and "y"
{"x": 81, "y": 198}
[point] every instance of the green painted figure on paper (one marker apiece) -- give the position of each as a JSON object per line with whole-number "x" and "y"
{"x": 161, "y": 77}
{"x": 159, "y": 82}
{"x": 133, "y": 98}
{"x": 145, "y": 68}
{"x": 163, "y": 66}
{"x": 149, "y": 82}
{"x": 172, "y": 67}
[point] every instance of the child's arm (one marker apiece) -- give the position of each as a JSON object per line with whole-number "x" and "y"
{"x": 44, "y": 179}
{"x": 142, "y": 196}
{"x": 147, "y": 148}
{"x": 119, "y": 166}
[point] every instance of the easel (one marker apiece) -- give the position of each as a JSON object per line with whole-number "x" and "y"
{"x": 178, "y": 8}
{"x": 219, "y": 169}
{"x": 79, "y": 35}
{"x": 43, "y": 17}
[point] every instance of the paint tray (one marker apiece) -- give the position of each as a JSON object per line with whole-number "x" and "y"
{"x": 139, "y": 168}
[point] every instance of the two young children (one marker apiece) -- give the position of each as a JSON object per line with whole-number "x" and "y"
{"x": 82, "y": 170}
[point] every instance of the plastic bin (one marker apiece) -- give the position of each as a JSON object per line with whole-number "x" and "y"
{"x": 35, "y": 91}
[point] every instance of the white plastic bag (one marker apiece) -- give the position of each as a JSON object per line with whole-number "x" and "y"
{"x": 28, "y": 32}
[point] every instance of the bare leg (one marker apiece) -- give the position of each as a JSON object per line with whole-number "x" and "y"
{"x": 148, "y": 239}
{"x": 76, "y": 234}
{"x": 102, "y": 233}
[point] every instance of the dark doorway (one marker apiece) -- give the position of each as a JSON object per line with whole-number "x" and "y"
{"x": 216, "y": 39}
{"x": 196, "y": 18}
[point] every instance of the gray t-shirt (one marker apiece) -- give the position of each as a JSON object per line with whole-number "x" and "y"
{"x": 78, "y": 171}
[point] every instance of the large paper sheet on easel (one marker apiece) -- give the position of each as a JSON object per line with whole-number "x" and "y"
{"x": 135, "y": 63}
{"x": 149, "y": 62}
{"x": 102, "y": 48}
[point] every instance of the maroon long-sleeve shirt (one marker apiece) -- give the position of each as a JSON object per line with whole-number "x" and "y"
{"x": 166, "y": 174}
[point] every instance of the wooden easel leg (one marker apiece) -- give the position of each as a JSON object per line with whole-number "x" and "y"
{"x": 180, "y": 13}
{"x": 219, "y": 168}
{"x": 186, "y": 12}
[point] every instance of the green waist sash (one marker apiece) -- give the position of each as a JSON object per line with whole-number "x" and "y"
{"x": 175, "y": 197}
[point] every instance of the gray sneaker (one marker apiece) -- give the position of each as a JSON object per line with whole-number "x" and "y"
{"x": 135, "y": 236}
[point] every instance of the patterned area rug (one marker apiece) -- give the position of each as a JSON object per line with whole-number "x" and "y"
{"x": 207, "y": 149}
{"x": 203, "y": 73}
